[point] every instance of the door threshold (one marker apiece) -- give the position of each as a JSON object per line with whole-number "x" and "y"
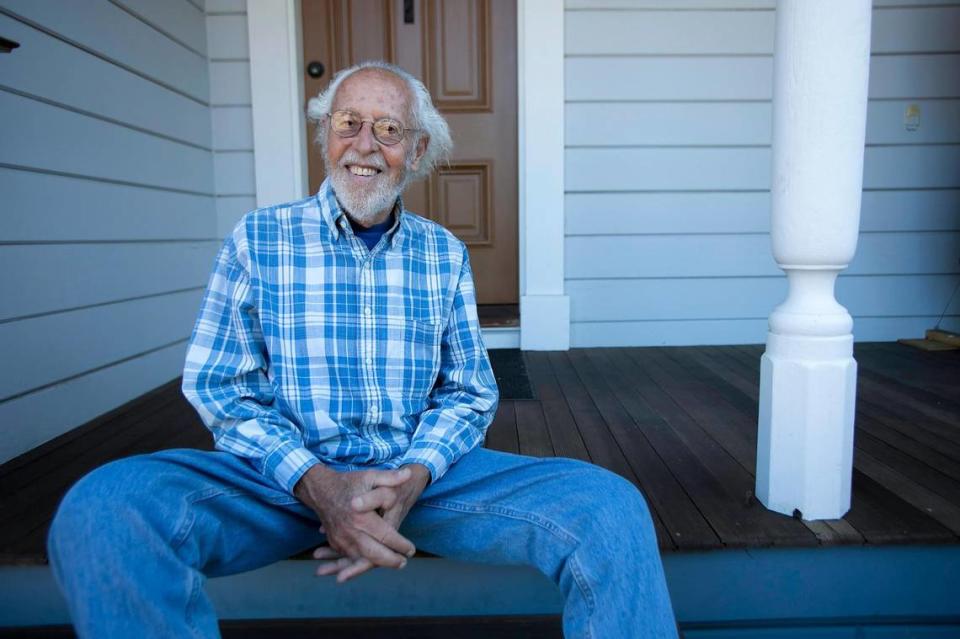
{"x": 499, "y": 315}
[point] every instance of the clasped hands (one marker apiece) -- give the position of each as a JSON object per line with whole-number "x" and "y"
{"x": 360, "y": 513}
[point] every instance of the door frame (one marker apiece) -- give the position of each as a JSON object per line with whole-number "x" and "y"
{"x": 280, "y": 146}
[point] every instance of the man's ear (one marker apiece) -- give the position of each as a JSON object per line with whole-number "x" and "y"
{"x": 422, "y": 143}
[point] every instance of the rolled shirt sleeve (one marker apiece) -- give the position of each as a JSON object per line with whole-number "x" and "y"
{"x": 465, "y": 396}
{"x": 225, "y": 374}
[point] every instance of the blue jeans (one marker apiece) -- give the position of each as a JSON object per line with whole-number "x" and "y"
{"x": 132, "y": 541}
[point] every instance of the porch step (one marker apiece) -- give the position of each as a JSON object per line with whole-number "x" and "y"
{"x": 895, "y": 592}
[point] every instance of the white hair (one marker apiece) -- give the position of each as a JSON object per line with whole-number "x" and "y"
{"x": 424, "y": 116}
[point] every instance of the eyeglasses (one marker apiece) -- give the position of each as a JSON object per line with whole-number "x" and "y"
{"x": 387, "y": 131}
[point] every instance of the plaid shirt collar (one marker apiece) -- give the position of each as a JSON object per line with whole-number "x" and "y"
{"x": 337, "y": 221}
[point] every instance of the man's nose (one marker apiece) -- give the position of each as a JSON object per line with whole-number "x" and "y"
{"x": 365, "y": 142}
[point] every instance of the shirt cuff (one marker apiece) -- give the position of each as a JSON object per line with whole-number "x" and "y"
{"x": 432, "y": 458}
{"x": 287, "y": 463}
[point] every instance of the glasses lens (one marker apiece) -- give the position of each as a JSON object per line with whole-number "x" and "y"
{"x": 345, "y": 124}
{"x": 388, "y": 131}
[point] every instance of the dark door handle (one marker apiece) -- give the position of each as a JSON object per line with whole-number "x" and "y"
{"x": 315, "y": 69}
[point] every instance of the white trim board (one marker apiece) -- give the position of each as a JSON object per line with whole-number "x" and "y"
{"x": 505, "y": 337}
{"x": 544, "y": 307}
{"x": 276, "y": 87}
{"x": 280, "y": 146}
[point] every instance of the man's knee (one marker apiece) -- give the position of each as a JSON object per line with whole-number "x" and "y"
{"x": 608, "y": 499}
{"x": 98, "y": 504}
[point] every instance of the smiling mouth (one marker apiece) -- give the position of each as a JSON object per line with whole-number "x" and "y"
{"x": 363, "y": 171}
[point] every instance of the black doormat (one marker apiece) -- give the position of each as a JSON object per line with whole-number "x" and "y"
{"x": 511, "y": 373}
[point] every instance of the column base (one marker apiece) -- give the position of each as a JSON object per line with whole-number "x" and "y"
{"x": 545, "y": 322}
{"x": 805, "y": 438}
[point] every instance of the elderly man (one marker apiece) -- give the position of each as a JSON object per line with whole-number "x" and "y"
{"x": 339, "y": 363}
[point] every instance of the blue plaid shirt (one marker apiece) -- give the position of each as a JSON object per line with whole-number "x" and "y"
{"x": 310, "y": 348}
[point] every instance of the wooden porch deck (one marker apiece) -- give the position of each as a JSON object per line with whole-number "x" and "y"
{"x": 679, "y": 422}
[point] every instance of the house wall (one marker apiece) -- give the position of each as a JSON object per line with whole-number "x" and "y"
{"x": 668, "y": 130}
{"x": 231, "y": 112}
{"x": 109, "y": 219}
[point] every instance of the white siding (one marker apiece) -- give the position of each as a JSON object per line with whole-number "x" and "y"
{"x": 109, "y": 219}
{"x": 668, "y": 129}
{"x": 231, "y": 113}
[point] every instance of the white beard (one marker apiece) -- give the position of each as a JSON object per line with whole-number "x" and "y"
{"x": 364, "y": 205}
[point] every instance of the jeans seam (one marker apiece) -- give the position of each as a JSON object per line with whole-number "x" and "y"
{"x": 182, "y": 531}
{"x": 584, "y": 587}
{"x": 550, "y": 526}
{"x": 194, "y": 593}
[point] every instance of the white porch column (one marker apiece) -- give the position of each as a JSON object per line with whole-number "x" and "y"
{"x": 808, "y": 374}
{"x": 544, "y": 307}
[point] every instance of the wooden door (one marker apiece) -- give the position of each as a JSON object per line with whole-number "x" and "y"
{"x": 465, "y": 53}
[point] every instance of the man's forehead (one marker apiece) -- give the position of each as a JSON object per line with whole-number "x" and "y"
{"x": 373, "y": 86}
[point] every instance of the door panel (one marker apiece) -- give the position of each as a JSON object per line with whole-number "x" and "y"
{"x": 465, "y": 52}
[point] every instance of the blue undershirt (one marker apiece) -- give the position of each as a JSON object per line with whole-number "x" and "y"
{"x": 372, "y": 235}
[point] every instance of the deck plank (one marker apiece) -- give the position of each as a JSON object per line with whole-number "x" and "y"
{"x": 502, "y": 433}
{"x": 728, "y": 415}
{"x": 629, "y": 421}
{"x": 88, "y": 435}
{"x": 723, "y": 489}
{"x": 25, "y": 516}
{"x": 944, "y": 511}
{"x": 19, "y": 502}
{"x": 911, "y": 424}
{"x": 917, "y": 470}
{"x": 938, "y": 378}
{"x": 885, "y": 518}
{"x": 596, "y": 435}
{"x": 532, "y": 430}
{"x": 561, "y": 427}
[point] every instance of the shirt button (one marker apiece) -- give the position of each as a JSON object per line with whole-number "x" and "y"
{"x": 367, "y": 310}
{"x": 369, "y": 360}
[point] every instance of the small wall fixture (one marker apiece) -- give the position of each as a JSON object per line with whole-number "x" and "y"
{"x": 6, "y": 46}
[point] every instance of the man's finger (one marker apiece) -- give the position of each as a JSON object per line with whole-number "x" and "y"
{"x": 331, "y": 567}
{"x": 383, "y": 497}
{"x": 358, "y": 567}
{"x": 376, "y": 478}
{"x": 393, "y": 516}
{"x": 378, "y": 553}
{"x": 388, "y": 538}
{"x": 326, "y": 552}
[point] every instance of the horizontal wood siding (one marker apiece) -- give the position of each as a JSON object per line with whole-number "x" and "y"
{"x": 668, "y": 154}
{"x": 231, "y": 111}
{"x": 107, "y": 175}
{"x": 110, "y": 30}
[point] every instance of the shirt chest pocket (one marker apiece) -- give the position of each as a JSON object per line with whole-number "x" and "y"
{"x": 419, "y": 325}
{"x": 413, "y": 358}
{"x": 414, "y": 334}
